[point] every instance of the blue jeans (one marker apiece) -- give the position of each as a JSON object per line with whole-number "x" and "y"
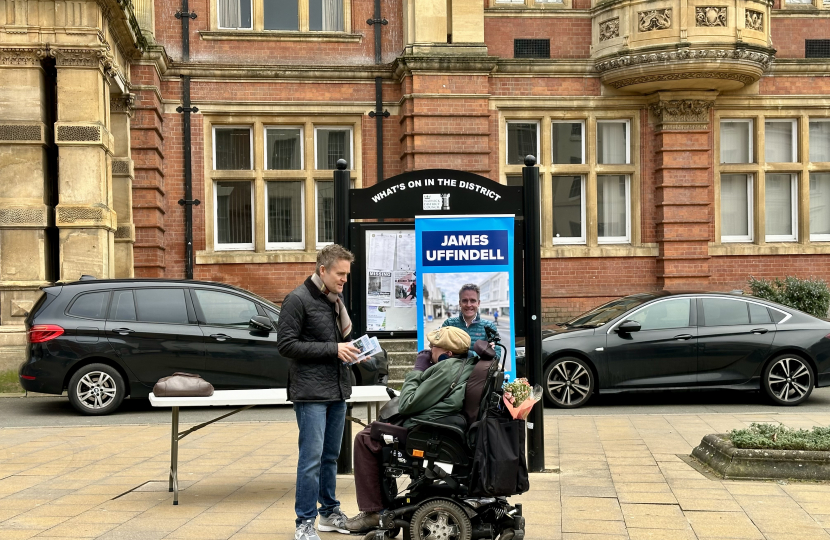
{"x": 321, "y": 431}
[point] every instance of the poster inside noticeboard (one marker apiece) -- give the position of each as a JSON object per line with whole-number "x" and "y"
{"x": 391, "y": 295}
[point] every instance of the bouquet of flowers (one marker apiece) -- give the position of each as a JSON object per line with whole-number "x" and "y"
{"x": 519, "y": 397}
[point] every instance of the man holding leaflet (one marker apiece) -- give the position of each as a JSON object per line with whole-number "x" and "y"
{"x": 312, "y": 333}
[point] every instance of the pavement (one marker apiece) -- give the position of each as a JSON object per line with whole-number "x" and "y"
{"x": 615, "y": 476}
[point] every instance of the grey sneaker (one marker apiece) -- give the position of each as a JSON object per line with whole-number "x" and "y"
{"x": 364, "y": 522}
{"x": 334, "y": 522}
{"x": 305, "y": 531}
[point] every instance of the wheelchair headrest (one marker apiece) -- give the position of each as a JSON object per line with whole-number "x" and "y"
{"x": 475, "y": 387}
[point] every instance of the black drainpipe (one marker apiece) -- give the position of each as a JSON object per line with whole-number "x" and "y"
{"x": 185, "y": 15}
{"x": 378, "y": 114}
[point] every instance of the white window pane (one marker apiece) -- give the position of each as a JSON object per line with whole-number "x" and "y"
{"x": 281, "y": 14}
{"x": 734, "y": 205}
{"x": 779, "y": 204}
{"x": 325, "y": 15}
{"x": 234, "y": 13}
{"x": 820, "y": 203}
{"x": 333, "y": 144}
{"x": 233, "y": 213}
{"x": 285, "y": 212}
{"x": 612, "y": 210}
{"x": 566, "y": 143}
{"x": 778, "y": 142}
{"x": 611, "y": 143}
{"x": 233, "y": 149}
{"x": 283, "y": 148}
{"x": 521, "y": 142}
{"x": 325, "y": 212}
{"x": 567, "y": 206}
{"x": 735, "y": 140}
{"x": 820, "y": 142}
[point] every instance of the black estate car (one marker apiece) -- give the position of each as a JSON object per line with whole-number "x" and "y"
{"x": 103, "y": 340}
{"x": 666, "y": 341}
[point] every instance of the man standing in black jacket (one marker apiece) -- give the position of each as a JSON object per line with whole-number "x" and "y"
{"x": 312, "y": 331}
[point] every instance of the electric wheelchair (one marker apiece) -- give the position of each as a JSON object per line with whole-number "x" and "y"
{"x": 431, "y": 472}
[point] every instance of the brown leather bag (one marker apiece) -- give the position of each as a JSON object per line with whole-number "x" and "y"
{"x": 183, "y": 385}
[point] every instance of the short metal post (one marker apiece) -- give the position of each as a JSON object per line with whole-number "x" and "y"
{"x": 174, "y": 457}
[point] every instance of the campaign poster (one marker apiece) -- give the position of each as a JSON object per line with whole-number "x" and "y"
{"x": 452, "y": 252}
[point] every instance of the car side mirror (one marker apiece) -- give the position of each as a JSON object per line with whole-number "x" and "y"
{"x": 628, "y": 326}
{"x": 260, "y": 323}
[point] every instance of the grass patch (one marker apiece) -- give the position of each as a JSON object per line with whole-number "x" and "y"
{"x": 778, "y": 437}
{"x": 9, "y": 384}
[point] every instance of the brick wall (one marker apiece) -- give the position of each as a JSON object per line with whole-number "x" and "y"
{"x": 788, "y": 34}
{"x": 569, "y": 37}
{"x": 272, "y": 281}
{"x": 783, "y": 86}
{"x": 729, "y": 273}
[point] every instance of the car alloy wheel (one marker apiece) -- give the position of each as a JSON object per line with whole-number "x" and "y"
{"x": 788, "y": 380}
{"x": 440, "y": 519}
{"x": 96, "y": 389}
{"x": 569, "y": 382}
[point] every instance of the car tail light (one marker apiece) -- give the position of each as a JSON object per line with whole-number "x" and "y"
{"x": 27, "y": 377}
{"x": 44, "y": 332}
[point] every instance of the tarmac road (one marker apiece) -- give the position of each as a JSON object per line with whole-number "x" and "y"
{"x": 56, "y": 411}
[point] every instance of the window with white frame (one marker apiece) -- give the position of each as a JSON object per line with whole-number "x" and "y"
{"x": 232, "y": 148}
{"x": 332, "y": 144}
{"x": 736, "y": 141}
{"x": 780, "y": 203}
{"x": 613, "y": 142}
{"x": 568, "y": 209}
{"x": 820, "y": 207}
{"x": 613, "y": 208}
{"x": 522, "y": 140}
{"x": 567, "y": 143}
{"x": 233, "y": 215}
{"x": 284, "y": 211}
{"x": 312, "y": 15}
{"x": 780, "y": 140}
{"x": 736, "y": 207}
{"x": 284, "y": 148}
{"x": 820, "y": 141}
{"x": 324, "y": 209}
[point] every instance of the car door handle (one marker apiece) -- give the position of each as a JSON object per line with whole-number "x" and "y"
{"x": 123, "y": 331}
{"x": 759, "y": 330}
{"x": 683, "y": 337}
{"x": 220, "y": 337}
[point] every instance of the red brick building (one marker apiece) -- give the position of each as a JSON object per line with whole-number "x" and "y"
{"x": 681, "y": 144}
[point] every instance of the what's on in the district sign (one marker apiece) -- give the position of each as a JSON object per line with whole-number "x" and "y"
{"x": 452, "y": 251}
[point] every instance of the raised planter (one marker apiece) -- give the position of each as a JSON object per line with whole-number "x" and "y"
{"x": 718, "y": 452}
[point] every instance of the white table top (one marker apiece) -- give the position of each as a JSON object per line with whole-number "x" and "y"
{"x": 265, "y": 396}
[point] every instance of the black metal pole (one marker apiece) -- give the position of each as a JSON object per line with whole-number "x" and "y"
{"x": 342, "y": 184}
{"x": 185, "y": 15}
{"x": 533, "y": 310}
{"x": 379, "y": 122}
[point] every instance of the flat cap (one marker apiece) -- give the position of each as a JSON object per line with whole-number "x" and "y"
{"x": 450, "y": 338}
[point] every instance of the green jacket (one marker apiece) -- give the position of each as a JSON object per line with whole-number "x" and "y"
{"x": 422, "y": 390}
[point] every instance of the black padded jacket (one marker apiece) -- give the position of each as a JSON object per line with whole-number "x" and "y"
{"x": 307, "y": 335}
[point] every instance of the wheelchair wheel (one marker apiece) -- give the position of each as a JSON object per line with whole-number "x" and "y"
{"x": 440, "y": 519}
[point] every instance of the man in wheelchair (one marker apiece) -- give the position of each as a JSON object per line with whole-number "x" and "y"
{"x": 432, "y": 441}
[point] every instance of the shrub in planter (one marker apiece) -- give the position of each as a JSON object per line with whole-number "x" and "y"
{"x": 808, "y": 295}
{"x": 778, "y": 437}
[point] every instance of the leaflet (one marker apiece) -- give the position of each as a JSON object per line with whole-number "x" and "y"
{"x": 368, "y": 346}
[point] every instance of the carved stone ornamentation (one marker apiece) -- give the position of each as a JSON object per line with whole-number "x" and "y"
{"x": 761, "y": 58}
{"x": 24, "y": 132}
{"x": 71, "y": 215}
{"x": 22, "y": 57}
{"x": 754, "y": 20}
{"x": 123, "y": 103}
{"x": 681, "y": 113}
{"x": 89, "y": 58}
{"x": 79, "y": 133}
{"x": 743, "y": 79}
{"x": 21, "y": 216}
{"x": 121, "y": 166}
{"x": 710, "y": 16}
{"x": 123, "y": 232}
{"x": 609, "y": 29}
{"x": 655, "y": 19}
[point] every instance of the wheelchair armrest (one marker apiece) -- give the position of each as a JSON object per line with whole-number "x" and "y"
{"x": 454, "y": 429}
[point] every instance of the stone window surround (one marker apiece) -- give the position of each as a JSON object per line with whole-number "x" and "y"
{"x": 801, "y": 168}
{"x": 513, "y": 5}
{"x": 258, "y": 31}
{"x": 263, "y": 252}
{"x": 588, "y": 171}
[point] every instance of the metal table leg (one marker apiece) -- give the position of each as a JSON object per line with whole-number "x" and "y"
{"x": 174, "y": 457}
{"x": 344, "y": 461}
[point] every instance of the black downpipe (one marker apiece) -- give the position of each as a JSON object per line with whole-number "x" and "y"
{"x": 378, "y": 114}
{"x": 185, "y": 15}
{"x": 342, "y": 219}
{"x": 533, "y": 310}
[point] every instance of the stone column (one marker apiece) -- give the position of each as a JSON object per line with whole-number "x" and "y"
{"x": 684, "y": 187}
{"x": 25, "y": 194}
{"x": 85, "y": 216}
{"x": 121, "y": 112}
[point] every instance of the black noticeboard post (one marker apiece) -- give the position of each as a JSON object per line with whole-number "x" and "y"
{"x": 439, "y": 192}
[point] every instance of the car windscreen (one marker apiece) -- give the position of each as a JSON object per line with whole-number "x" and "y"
{"x": 606, "y": 312}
